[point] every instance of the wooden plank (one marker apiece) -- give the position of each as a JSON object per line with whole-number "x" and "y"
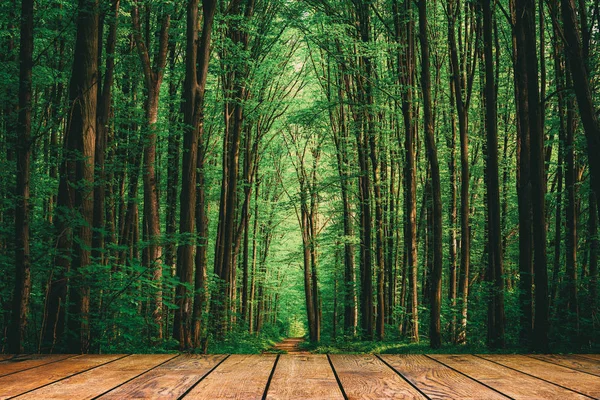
{"x": 5, "y": 357}
{"x": 238, "y": 377}
{"x": 97, "y": 381}
{"x": 579, "y": 363}
{"x": 563, "y": 376}
{"x": 367, "y": 377}
{"x": 21, "y": 363}
{"x": 25, "y": 381}
{"x": 595, "y": 357}
{"x": 304, "y": 377}
{"x": 167, "y": 381}
{"x": 438, "y": 381}
{"x": 507, "y": 381}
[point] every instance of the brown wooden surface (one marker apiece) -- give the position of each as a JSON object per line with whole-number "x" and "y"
{"x": 97, "y": 381}
{"x": 505, "y": 380}
{"x": 563, "y": 376}
{"x": 238, "y": 377}
{"x": 304, "y": 377}
{"x": 24, "y": 362}
{"x": 438, "y": 381}
{"x": 5, "y": 357}
{"x": 367, "y": 377}
{"x": 590, "y": 356}
{"x": 167, "y": 381}
{"x": 579, "y": 363}
{"x": 15, "y": 384}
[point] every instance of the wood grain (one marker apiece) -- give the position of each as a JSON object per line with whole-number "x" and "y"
{"x": 25, "y": 381}
{"x": 97, "y": 381}
{"x": 167, "y": 381}
{"x": 511, "y": 383}
{"x": 595, "y": 357}
{"x": 563, "y": 376}
{"x": 579, "y": 363}
{"x": 367, "y": 377}
{"x": 304, "y": 377}
{"x": 24, "y": 362}
{"x": 238, "y": 377}
{"x": 438, "y": 381}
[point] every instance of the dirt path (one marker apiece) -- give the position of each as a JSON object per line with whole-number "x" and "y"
{"x": 291, "y": 346}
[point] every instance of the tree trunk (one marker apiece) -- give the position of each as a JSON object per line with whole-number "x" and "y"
{"x": 22, "y": 288}
{"x": 406, "y": 70}
{"x": 80, "y": 140}
{"x": 196, "y": 62}
{"x": 435, "y": 330}
{"x": 495, "y": 269}
{"x": 524, "y": 188}
{"x": 576, "y": 54}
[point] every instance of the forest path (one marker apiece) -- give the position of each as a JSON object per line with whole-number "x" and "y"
{"x": 290, "y": 346}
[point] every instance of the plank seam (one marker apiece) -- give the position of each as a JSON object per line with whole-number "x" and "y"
{"x": 337, "y": 378}
{"x": 533, "y": 376}
{"x": 202, "y": 378}
{"x": 41, "y": 365}
{"x": 264, "y": 396}
{"x": 402, "y": 376}
{"x": 470, "y": 377}
{"x": 69, "y": 376}
{"x": 137, "y": 376}
{"x": 561, "y": 365}
{"x": 586, "y": 357}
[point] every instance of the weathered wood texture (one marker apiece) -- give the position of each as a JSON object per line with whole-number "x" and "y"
{"x": 238, "y": 377}
{"x": 164, "y": 376}
{"x": 511, "y": 383}
{"x": 304, "y": 377}
{"x": 566, "y": 377}
{"x": 574, "y": 362}
{"x": 367, "y": 377}
{"x": 23, "y": 363}
{"x": 438, "y": 381}
{"x": 167, "y": 381}
{"x": 95, "y": 382}
{"x": 25, "y": 381}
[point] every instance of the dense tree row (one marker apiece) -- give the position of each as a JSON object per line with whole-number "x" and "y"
{"x": 177, "y": 175}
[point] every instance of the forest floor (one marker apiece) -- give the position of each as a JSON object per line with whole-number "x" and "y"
{"x": 289, "y": 346}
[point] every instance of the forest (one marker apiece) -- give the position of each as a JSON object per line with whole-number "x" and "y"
{"x": 214, "y": 175}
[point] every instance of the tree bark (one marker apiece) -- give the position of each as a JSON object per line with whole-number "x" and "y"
{"x": 435, "y": 334}
{"x": 79, "y": 145}
{"x": 196, "y": 61}
{"x": 495, "y": 268}
{"x": 22, "y": 287}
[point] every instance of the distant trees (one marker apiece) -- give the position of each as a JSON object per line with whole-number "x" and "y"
{"x": 391, "y": 130}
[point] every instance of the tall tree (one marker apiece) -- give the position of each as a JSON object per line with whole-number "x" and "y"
{"x": 435, "y": 291}
{"x": 404, "y": 26}
{"x": 78, "y": 167}
{"x": 153, "y": 77}
{"x": 196, "y": 66}
{"x": 22, "y": 288}
{"x": 582, "y": 86}
{"x": 495, "y": 270}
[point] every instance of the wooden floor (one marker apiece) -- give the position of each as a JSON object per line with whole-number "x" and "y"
{"x": 287, "y": 376}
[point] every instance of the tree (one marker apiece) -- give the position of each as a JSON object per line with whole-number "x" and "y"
{"x": 495, "y": 270}
{"x": 436, "y": 191}
{"x": 78, "y": 169}
{"x": 22, "y": 252}
{"x": 197, "y": 60}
